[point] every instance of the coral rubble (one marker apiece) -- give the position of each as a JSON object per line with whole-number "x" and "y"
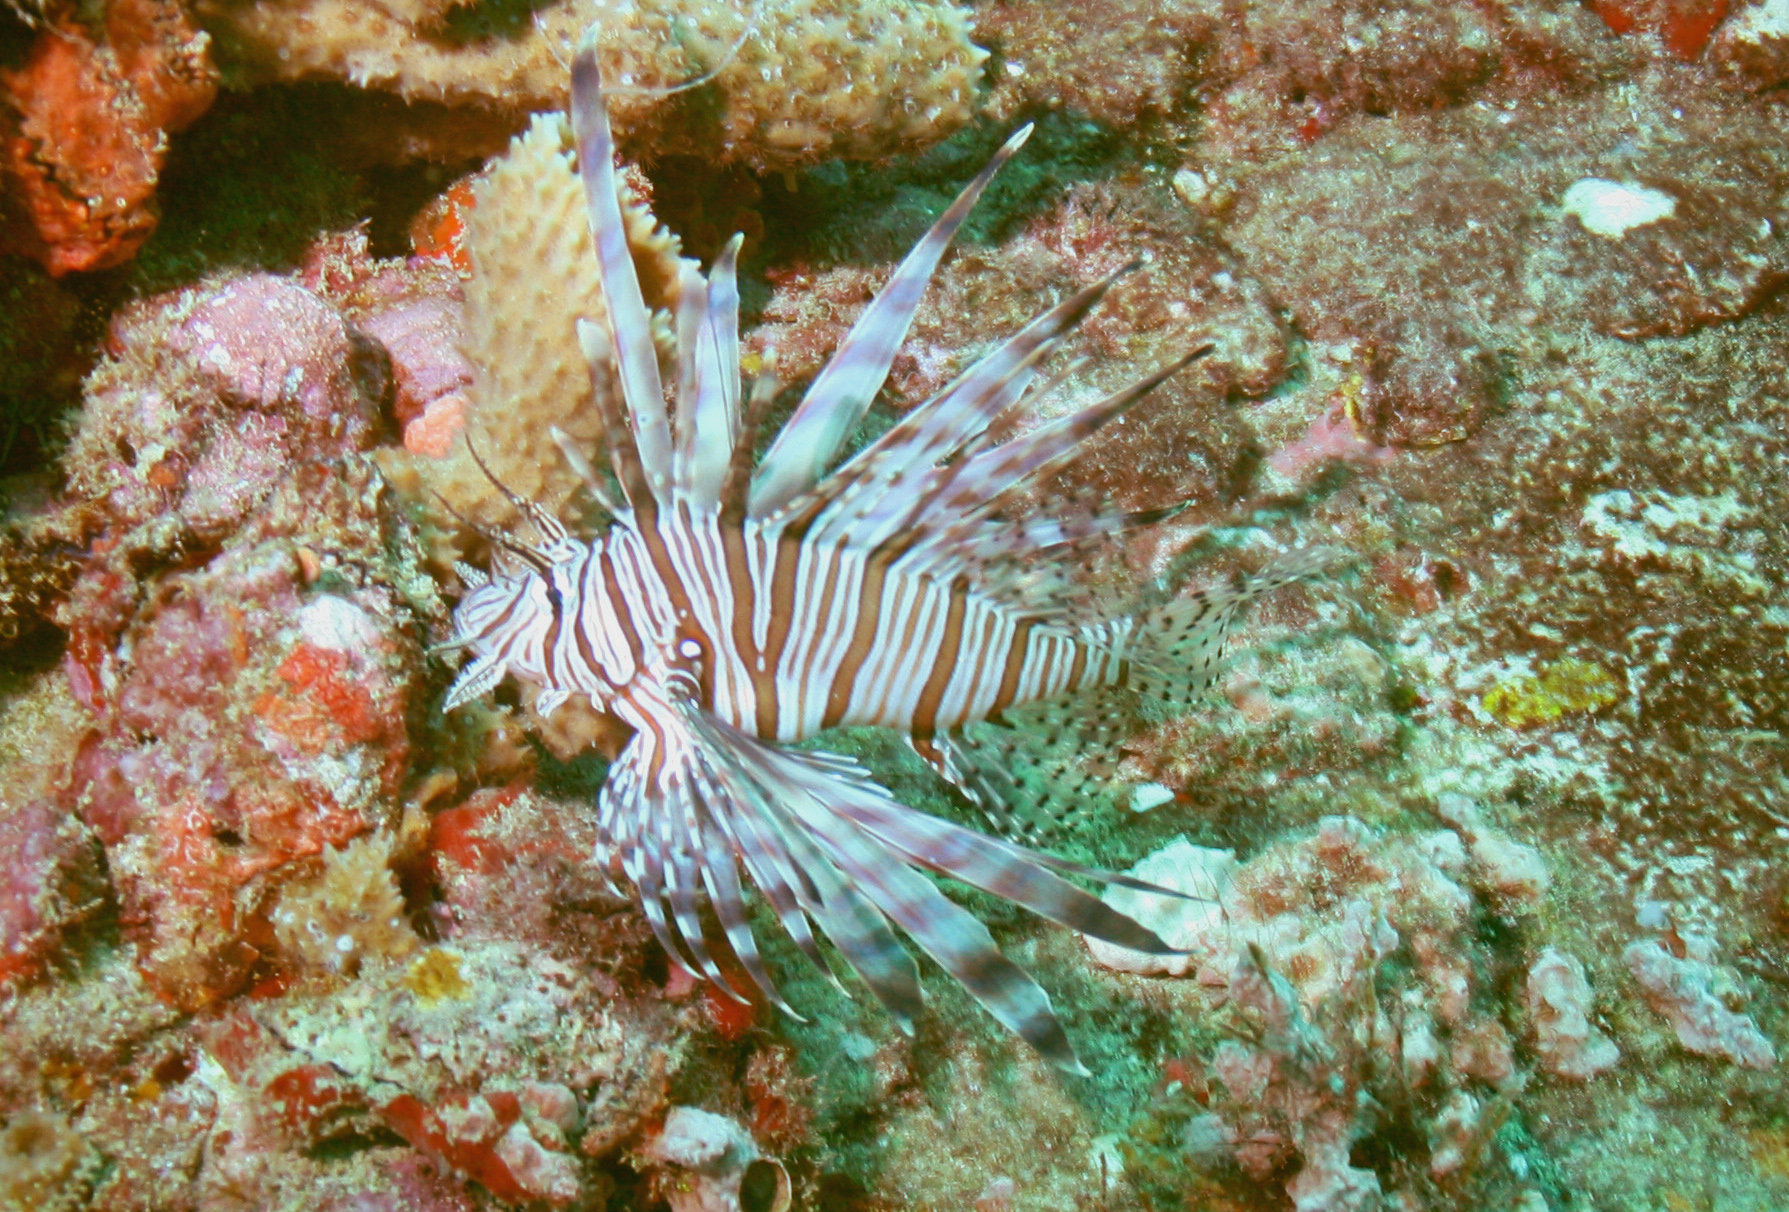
{"x": 1559, "y": 1002}
{"x": 1372, "y": 1016}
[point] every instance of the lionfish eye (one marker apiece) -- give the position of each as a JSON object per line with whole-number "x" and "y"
{"x": 689, "y": 648}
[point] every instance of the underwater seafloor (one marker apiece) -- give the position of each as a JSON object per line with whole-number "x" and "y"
{"x": 1496, "y": 811}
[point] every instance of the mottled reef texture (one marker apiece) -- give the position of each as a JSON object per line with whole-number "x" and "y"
{"x": 1495, "y": 818}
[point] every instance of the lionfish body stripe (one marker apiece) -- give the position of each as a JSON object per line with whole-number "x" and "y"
{"x": 728, "y": 611}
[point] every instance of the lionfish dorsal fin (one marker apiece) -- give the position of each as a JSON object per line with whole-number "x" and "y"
{"x": 985, "y": 477}
{"x": 842, "y": 393}
{"x": 961, "y": 412}
{"x": 883, "y": 491}
{"x": 580, "y": 466}
{"x": 707, "y": 421}
{"x": 618, "y": 435}
{"x": 629, "y": 321}
{"x": 968, "y": 493}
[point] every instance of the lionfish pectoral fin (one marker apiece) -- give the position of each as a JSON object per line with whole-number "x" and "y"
{"x": 864, "y": 852}
{"x": 651, "y": 819}
{"x": 684, "y": 809}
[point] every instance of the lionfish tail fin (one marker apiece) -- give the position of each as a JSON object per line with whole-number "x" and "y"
{"x": 1177, "y": 650}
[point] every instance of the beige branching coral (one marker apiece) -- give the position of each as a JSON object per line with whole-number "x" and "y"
{"x": 807, "y": 81}
{"x": 346, "y": 911}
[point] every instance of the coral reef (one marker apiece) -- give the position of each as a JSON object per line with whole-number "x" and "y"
{"x": 495, "y": 1060}
{"x": 212, "y": 395}
{"x": 253, "y": 723}
{"x": 1115, "y": 62}
{"x": 39, "y": 563}
{"x": 351, "y": 909}
{"x": 1751, "y": 47}
{"x": 1491, "y": 819}
{"x": 1682, "y": 27}
{"x": 795, "y": 81}
{"x": 51, "y": 879}
{"x": 84, "y": 125}
{"x": 45, "y": 1166}
{"x": 1432, "y": 347}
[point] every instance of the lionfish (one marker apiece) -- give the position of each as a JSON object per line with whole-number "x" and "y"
{"x": 729, "y": 610}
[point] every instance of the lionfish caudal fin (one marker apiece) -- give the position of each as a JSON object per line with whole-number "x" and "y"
{"x": 693, "y": 799}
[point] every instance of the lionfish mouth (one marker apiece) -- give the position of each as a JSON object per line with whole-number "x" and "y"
{"x": 730, "y": 608}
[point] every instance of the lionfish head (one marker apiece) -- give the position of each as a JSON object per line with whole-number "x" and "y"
{"x": 504, "y": 624}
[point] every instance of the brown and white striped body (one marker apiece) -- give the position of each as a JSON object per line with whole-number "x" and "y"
{"x": 787, "y": 637}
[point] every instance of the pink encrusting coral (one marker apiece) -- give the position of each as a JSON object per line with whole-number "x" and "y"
{"x": 1559, "y": 1003}
{"x": 413, "y": 309}
{"x": 212, "y": 394}
{"x": 1680, "y": 980}
{"x": 247, "y": 715}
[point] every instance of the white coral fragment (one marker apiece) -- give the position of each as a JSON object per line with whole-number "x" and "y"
{"x": 1611, "y": 209}
{"x": 1195, "y": 927}
{"x": 708, "y": 1156}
